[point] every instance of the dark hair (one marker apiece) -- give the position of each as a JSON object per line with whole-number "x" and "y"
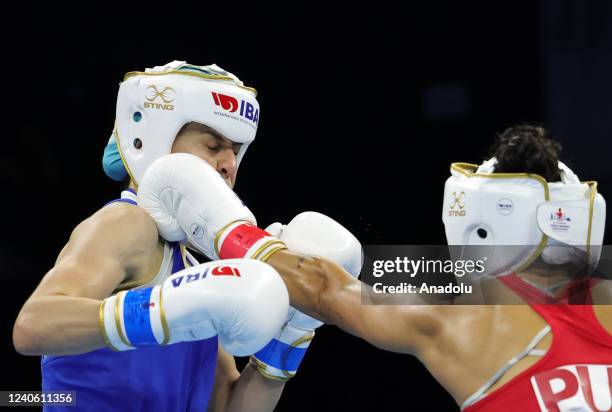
{"x": 527, "y": 149}
{"x": 125, "y": 183}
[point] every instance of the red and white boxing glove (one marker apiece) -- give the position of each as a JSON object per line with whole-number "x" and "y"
{"x": 310, "y": 233}
{"x": 189, "y": 201}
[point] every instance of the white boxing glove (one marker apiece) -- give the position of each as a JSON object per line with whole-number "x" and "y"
{"x": 190, "y": 201}
{"x": 315, "y": 234}
{"x": 310, "y": 233}
{"x": 245, "y": 302}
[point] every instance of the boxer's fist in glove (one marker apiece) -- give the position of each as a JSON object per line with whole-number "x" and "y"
{"x": 245, "y": 302}
{"x": 189, "y": 200}
{"x": 282, "y": 356}
{"x": 310, "y": 233}
{"x": 315, "y": 234}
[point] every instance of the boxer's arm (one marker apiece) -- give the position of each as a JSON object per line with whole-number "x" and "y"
{"x": 324, "y": 290}
{"x": 62, "y": 315}
{"x": 180, "y": 189}
{"x": 242, "y": 392}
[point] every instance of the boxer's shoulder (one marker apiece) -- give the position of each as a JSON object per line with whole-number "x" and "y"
{"x": 124, "y": 221}
{"x": 120, "y": 230}
{"x": 123, "y": 233}
{"x": 114, "y": 245}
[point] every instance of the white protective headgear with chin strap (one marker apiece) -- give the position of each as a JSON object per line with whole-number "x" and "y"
{"x": 523, "y": 214}
{"x": 153, "y": 105}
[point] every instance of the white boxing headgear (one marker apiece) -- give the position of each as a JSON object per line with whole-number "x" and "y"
{"x": 153, "y": 105}
{"x": 523, "y": 214}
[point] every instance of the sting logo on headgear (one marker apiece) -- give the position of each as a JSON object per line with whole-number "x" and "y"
{"x": 166, "y": 96}
{"x": 230, "y": 104}
{"x": 457, "y": 203}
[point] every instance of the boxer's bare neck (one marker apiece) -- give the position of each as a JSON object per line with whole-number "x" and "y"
{"x": 551, "y": 282}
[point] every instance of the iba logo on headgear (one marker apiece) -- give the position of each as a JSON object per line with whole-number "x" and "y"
{"x": 230, "y": 104}
{"x": 165, "y": 96}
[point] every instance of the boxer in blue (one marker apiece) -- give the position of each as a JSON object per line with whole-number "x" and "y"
{"x": 127, "y": 318}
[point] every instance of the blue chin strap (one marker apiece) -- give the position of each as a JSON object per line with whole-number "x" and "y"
{"x": 111, "y": 161}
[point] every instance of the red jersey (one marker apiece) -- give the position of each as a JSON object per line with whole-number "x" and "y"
{"x": 574, "y": 375}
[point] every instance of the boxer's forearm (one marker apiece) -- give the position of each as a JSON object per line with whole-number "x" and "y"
{"x": 58, "y": 325}
{"x": 253, "y": 392}
{"x": 314, "y": 284}
{"x": 327, "y": 292}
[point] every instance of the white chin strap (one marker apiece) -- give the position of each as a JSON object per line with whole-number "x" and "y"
{"x": 558, "y": 253}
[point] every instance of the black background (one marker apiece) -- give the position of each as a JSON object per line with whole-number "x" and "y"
{"x": 361, "y": 113}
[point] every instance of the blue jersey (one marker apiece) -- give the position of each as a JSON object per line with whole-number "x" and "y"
{"x": 176, "y": 377}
